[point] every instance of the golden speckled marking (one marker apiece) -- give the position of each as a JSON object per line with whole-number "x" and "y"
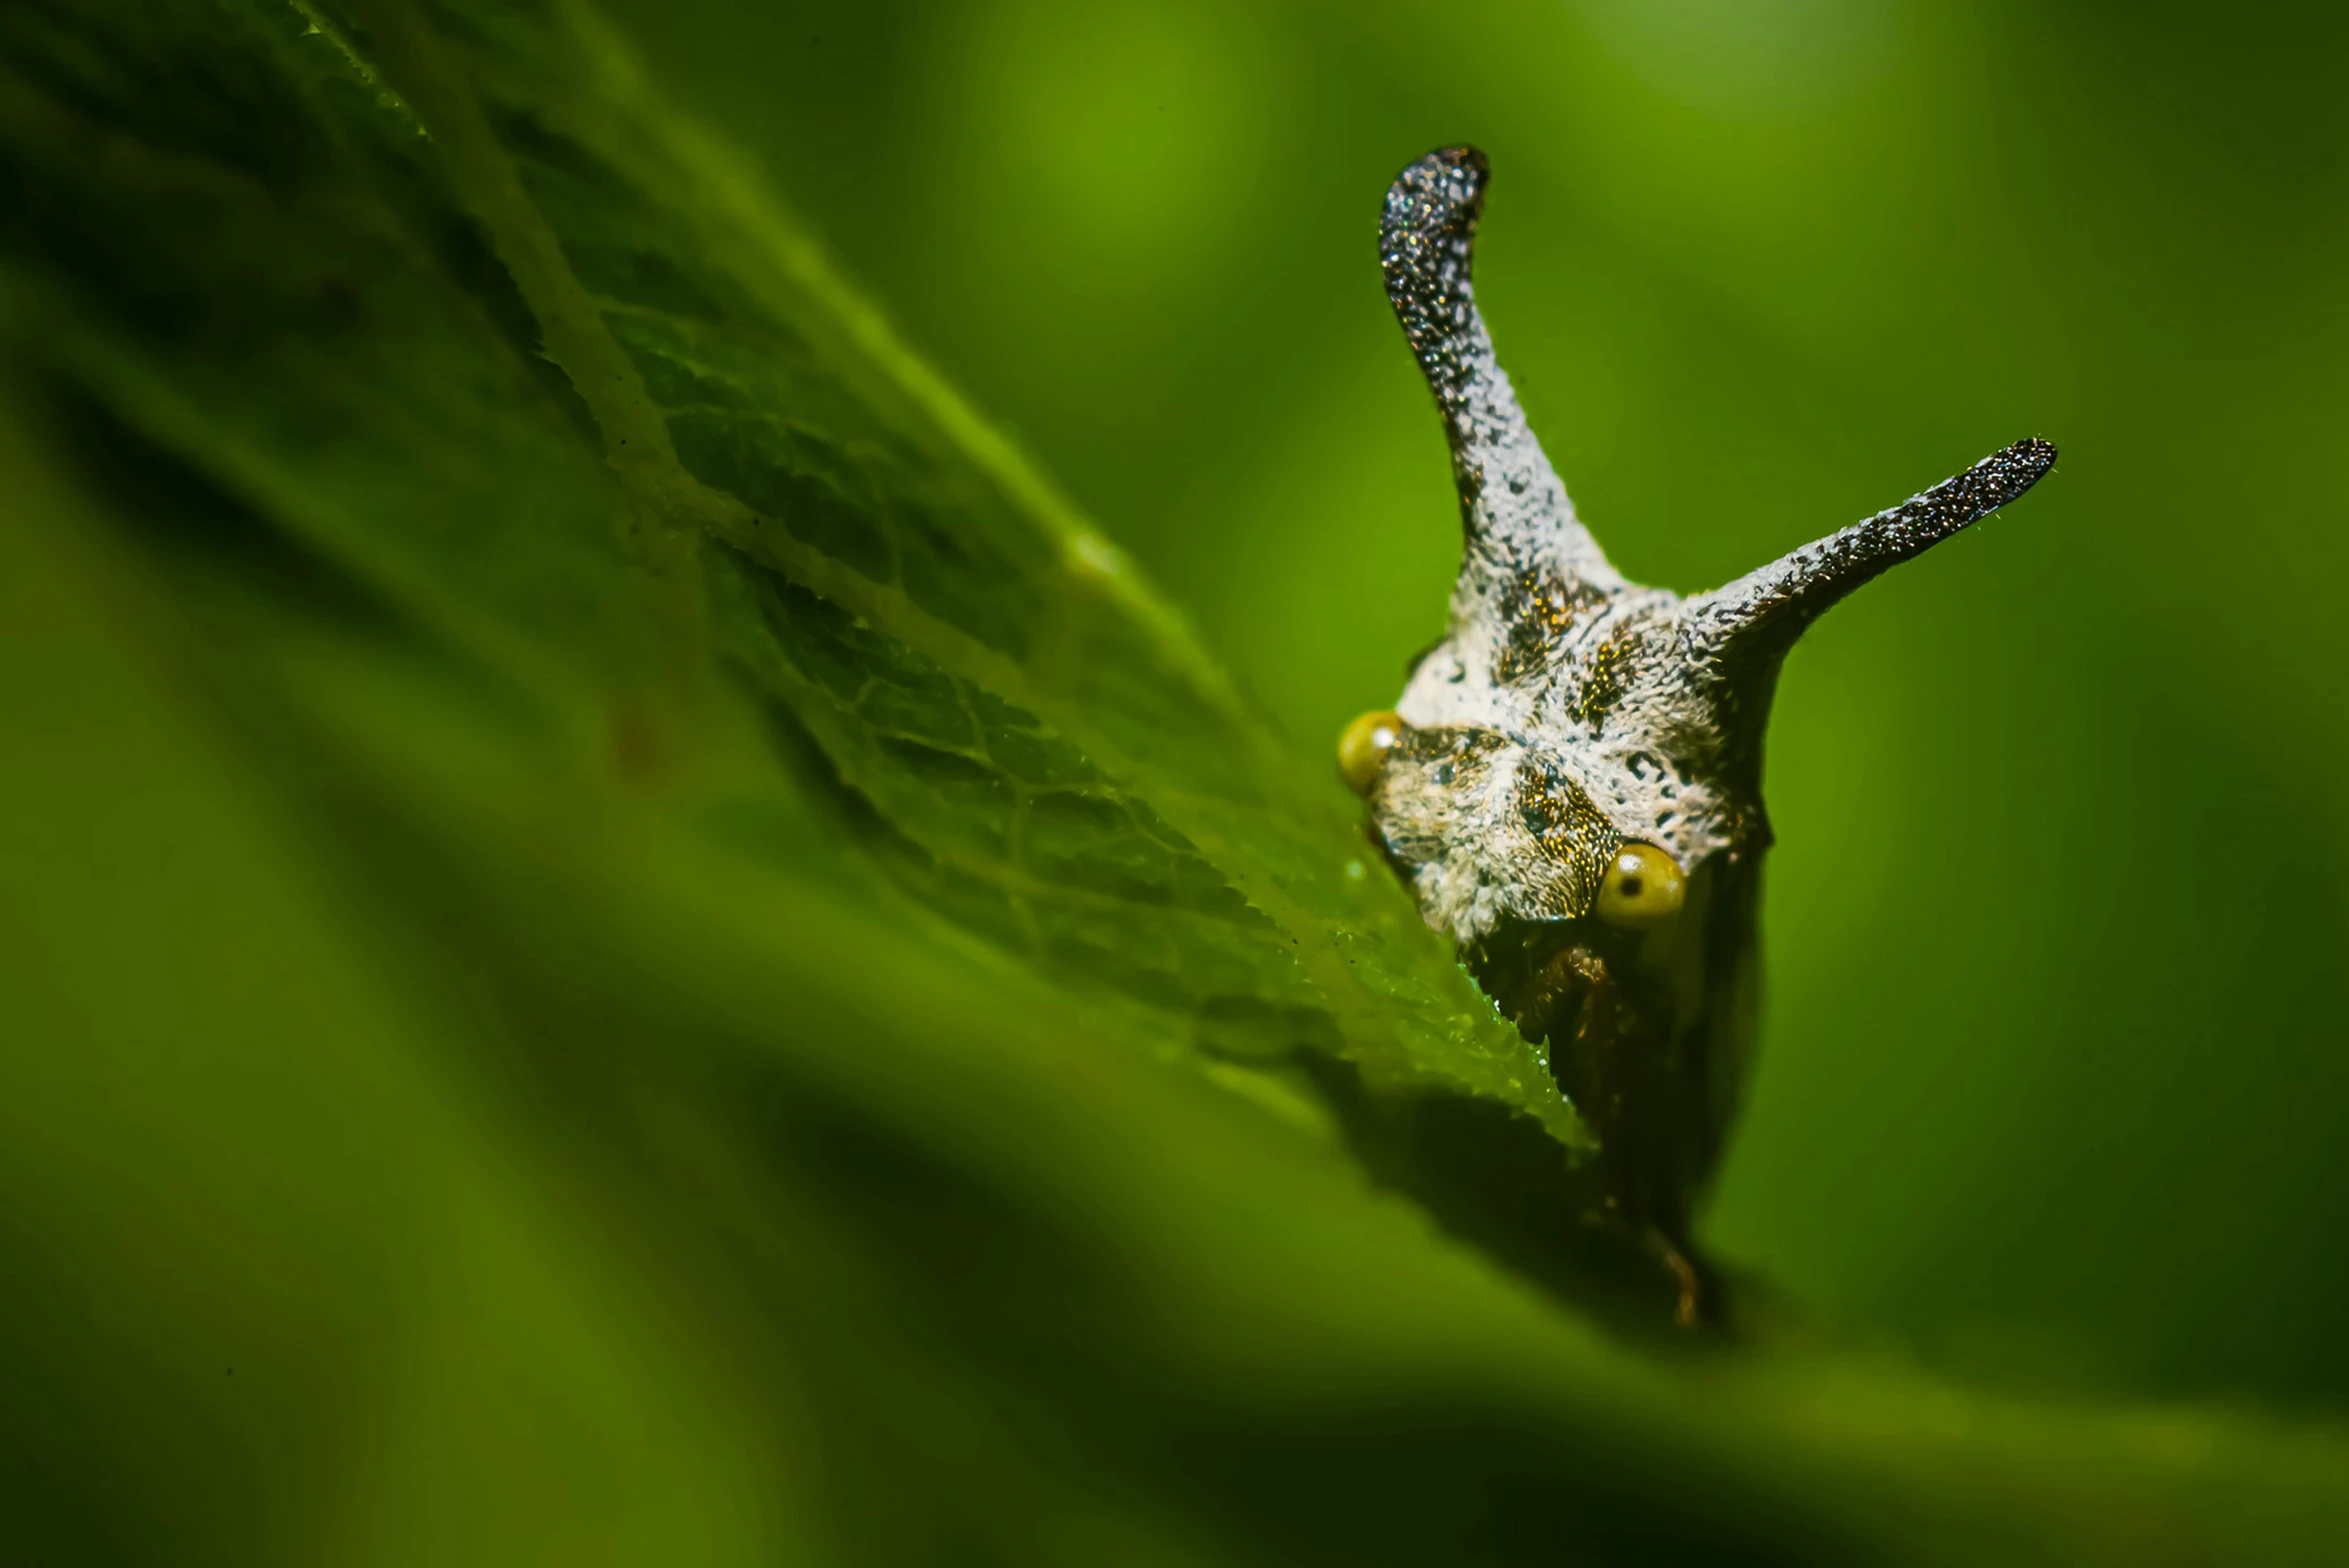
{"x": 1567, "y": 833}
{"x": 1538, "y": 608}
{"x": 1602, "y": 675}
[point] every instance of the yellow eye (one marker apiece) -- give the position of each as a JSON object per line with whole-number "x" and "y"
{"x": 1644, "y": 887}
{"x": 1363, "y": 748}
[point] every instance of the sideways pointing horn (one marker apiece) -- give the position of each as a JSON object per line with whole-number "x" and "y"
{"x": 1766, "y": 610}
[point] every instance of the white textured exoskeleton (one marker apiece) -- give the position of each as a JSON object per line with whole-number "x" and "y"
{"x": 1571, "y": 782}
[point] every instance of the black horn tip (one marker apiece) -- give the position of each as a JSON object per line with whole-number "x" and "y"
{"x": 1427, "y": 239}
{"x": 2003, "y": 476}
{"x": 1439, "y": 189}
{"x": 2028, "y": 461}
{"x": 1449, "y": 164}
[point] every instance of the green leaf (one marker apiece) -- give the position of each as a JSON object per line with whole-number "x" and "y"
{"x": 1050, "y": 755}
{"x": 631, "y": 943}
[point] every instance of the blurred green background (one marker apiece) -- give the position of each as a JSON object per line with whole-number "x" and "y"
{"x": 2052, "y": 1082}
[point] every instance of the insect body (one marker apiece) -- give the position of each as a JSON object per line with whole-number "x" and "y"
{"x": 1571, "y": 781}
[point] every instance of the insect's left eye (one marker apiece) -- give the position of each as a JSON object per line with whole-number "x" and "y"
{"x": 1644, "y": 887}
{"x": 1363, "y": 748}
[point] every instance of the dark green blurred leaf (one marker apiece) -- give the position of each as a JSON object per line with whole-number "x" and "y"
{"x": 630, "y": 944}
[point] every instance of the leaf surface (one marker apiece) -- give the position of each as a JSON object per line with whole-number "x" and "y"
{"x": 1052, "y": 759}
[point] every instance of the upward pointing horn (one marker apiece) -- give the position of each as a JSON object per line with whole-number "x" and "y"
{"x": 1513, "y": 510}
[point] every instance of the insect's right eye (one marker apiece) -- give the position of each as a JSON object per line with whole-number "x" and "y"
{"x": 1643, "y": 887}
{"x": 1363, "y": 748}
